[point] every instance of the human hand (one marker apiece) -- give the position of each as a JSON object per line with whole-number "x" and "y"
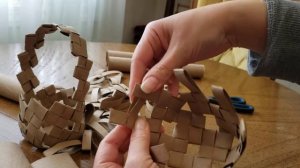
{"x": 194, "y": 35}
{"x": 112, "y": 148}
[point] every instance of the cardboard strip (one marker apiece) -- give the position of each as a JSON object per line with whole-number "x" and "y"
{"x": 66, "y": 30}
{"x": 118, "y": 117}
{"x": 181, "y": 131}
{"x": 160, "y": 153}
{"x": 87, "y": 140}
{"x": 185, "y": 79}
{"x": 152, "y": 97}
{"x": 136, "y": 106}
{"x": 175, "y": 159}
{"x": 61, "y": 146}
{"x": 30, "y": 40}
{"x": 202, "y": 162}
{"x": 24, "y": 59}
{"x": 49, "y": 28}
{"x": 97, "y": 127}
{"x": 222, "y": 98}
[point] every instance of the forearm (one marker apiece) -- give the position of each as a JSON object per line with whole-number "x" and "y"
{"x": 247, "y": 24}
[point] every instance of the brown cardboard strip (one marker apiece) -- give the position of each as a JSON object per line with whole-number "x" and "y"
{"x": 87, "y": 140}
{"x": 222, "y": 98}
{"x": 175, "y": 159}
{"x": 97, "y": 127}
{"x": 160, "y": 153}
{"x": 61, "y": 146}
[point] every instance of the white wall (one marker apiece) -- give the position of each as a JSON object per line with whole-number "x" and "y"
{"x": 109, "y": 21}
{"x": 140, "y": 12}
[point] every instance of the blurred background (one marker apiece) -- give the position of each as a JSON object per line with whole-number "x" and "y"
{"x": 121, "y": 21}
{"x": 96, "y": 20}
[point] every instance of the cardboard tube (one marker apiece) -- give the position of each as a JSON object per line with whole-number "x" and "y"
{"x": 119, "y": 63}
{"x": 10, "y": 87}
{"x": 119, "y": 54}
{"x": 195, "y": 70}
{"x": 123, "y": 64}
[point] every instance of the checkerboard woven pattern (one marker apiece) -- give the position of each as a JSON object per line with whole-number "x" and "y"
{"x": 171, "y": 150}
{"x": 49, "y": 116}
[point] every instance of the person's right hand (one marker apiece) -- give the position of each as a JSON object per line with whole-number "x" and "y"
{"x": 195, "y": 35}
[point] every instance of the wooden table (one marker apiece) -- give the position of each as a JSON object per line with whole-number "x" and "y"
{"x": 273, "y": 130}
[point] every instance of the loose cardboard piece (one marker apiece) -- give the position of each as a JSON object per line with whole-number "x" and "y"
{"x": 87, "y": 140}
{"x": 97, "y": 127}
{"x": 60, "y": 146}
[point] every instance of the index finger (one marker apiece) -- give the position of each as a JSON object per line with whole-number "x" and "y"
{"x": 149, "y": 50}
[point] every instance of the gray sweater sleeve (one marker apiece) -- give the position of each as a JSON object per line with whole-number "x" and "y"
{"x": 281, "y": 58}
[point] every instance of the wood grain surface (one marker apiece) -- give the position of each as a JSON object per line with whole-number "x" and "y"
{"x": 273, "y": 129}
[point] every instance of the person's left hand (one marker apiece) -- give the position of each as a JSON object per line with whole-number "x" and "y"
{"x": 112, "y": 148}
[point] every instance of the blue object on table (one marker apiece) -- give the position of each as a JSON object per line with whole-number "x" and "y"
{"x": 238, "y": 103}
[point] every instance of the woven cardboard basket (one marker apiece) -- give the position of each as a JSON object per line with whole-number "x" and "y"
{"x": 225, "y": 144}
{"x": 50, "y": 115}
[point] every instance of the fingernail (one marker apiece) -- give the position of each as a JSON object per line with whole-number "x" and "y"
{"x": 149, "y": 84}
{"x": 140, "y": 123}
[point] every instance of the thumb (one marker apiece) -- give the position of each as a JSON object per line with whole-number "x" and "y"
{"x": 139, "y": 140}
